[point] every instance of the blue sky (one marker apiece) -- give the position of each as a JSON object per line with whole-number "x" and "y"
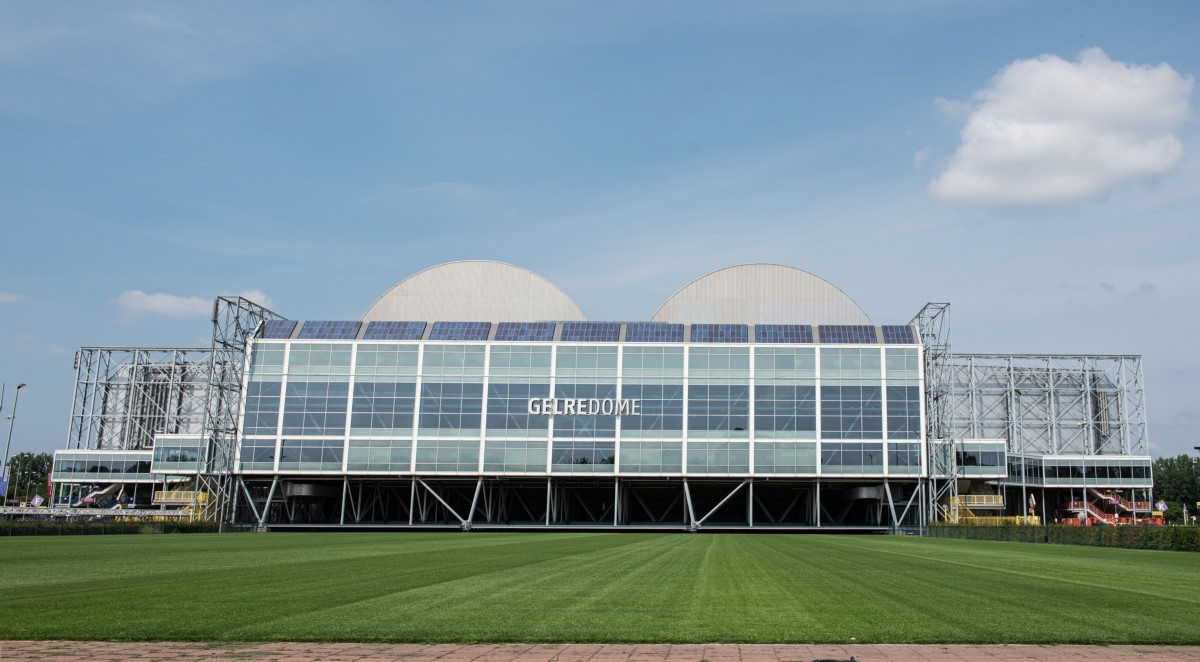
{"x": 153, "y": 155}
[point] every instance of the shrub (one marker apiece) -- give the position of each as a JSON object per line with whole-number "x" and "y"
{"x": 1173, "y": 538}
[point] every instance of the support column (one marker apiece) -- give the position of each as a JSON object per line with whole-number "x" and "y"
{"x": 474, "y": 502}
{"x": 616, "y": 500}
{"x": 342, "y": 514}
{"x": 750, "y": 505}
{"x": 818, "y": 513}
{"x": 412, "y": 500}
{"x": 262, "y": 520}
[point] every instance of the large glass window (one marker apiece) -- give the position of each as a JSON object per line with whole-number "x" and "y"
{"x": 453, "y": 361}
{"x": 651, "y": 457}
{"x": 652, "y": 362}
{"x": 451, "y": 408}
{"x": 447, "y": 455}
{"x": 785, "y": 410}
{"x": 718, "y": 457}
{"x": 315, "y": 408}
{"x": 718, "y": 362}
{"x": 851, "y": 458}
{"x": 102, "y": 466}
{"x": 310, "y": 455}
{"x": 585, "y": 426}
{"x": 514, "y": 456}
{"x": 981, "y": 458}
{"x": 783, "y": 457}
{"x": 586, "y": 361}
{"x": 176, "y": 455}
{"x": 851, "y": 412}
{"x": 661, "y": 413}
{"x": 854, "y": 363}
{"x": 257, "y": 455}
{"x": 904, "y": 459}
{"x": 382, "y": 408}
{"x": 584, "y": 456}
{"x": 718, "y": 410}
{"x": 508, "y": 410}
{"x": 385, "y": 360}
{"x": 902, "y": 364}
{"x": 319, "y": 359}
{"x": 266, "y": 360}
{"x": 519, "y": 361}
{"x": 262, "y": 407}
{"x": 785, "y": 362}
{"x": 390, "y": 455}
{"x": 903, "y": 412}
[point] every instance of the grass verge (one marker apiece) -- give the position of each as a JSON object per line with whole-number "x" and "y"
{"x": 565, "y": 587}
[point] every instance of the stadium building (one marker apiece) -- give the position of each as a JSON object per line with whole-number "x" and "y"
{"x": 475, "y": 394}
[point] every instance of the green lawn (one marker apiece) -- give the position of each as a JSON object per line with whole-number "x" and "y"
{"x": 565, "y": 587}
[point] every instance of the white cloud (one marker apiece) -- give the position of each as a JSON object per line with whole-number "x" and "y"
{"x": 12, "y": 297}
{"x": 1047, "y": 132}
{"x": 257, "y": 296}
{"x": 136, "y": 302}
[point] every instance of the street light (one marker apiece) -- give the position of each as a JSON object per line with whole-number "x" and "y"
{"x": 7, "y": 446}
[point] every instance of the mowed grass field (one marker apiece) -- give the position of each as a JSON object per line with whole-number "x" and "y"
{"x": 568, "y": 587}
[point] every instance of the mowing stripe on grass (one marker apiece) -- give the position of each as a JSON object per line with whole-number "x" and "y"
{"x": 556, "y": 587}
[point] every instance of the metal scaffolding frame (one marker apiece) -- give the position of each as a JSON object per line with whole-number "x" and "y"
{"x": 124, "y": 396}
{"x": 933, "y": 325}
{"x": 1040, "y": 404}
{"x": 1048, "y": 404}
{"x": 234, "y": 320}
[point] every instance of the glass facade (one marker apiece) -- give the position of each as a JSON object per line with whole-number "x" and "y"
{"x": 176, "y": 455}
{"x": 536, "y": 407}
{"x": 1076, "y": 471}
{"x": 102, "y": 466}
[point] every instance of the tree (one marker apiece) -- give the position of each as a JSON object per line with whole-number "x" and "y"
{"x": 1177, "y": 481}
{"x": 27, "y": 475}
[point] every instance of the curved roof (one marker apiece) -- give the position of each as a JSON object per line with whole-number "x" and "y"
{"x": 760, "y": 294}
{"x": 474, "y": 291}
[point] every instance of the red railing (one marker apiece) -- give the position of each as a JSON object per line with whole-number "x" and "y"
{"x": 1122, "y": 501}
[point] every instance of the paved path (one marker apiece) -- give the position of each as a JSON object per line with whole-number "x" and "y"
{"x": 98, "y": 651}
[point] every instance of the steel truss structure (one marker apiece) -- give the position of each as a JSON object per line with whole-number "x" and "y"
{"x": 558, "y": 503}
{"x": 933, "y": 324}
{"x": 1040, "y": 404}
{"x": 1047, "y": 404}
{"x": 124, "y": 396}
{"x": 234, "y": 320}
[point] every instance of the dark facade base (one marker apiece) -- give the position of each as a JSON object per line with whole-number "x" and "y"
{"x": 575, "y": 503}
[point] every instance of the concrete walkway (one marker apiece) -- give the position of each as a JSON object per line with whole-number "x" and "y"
{"x": 98, "y": 651}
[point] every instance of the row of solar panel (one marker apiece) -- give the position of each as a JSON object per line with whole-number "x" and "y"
{"x": 635, "y": 332}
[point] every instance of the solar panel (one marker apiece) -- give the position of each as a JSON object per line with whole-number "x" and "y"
{"x": 848, "y": 333}
{"x": 591, "y": 331}
{"x": 719, "y": 333}
{"x": 783, "y": 333}
{"x": 460, "y": 330}
{"x": 329, "y": 330}
{"x": 897, "y": 334}
{"x": 394, "y": 331}
{"x": 278, "y": 329}
{"x": 653, "y": 332}
{"x": 530, "y": 331}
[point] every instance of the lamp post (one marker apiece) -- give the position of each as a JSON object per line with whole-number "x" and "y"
{"x": 12, "y": 419}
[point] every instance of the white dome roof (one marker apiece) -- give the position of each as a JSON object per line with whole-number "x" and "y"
{"x": 474, "y": 291}
{"x": 760, "y": 294}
